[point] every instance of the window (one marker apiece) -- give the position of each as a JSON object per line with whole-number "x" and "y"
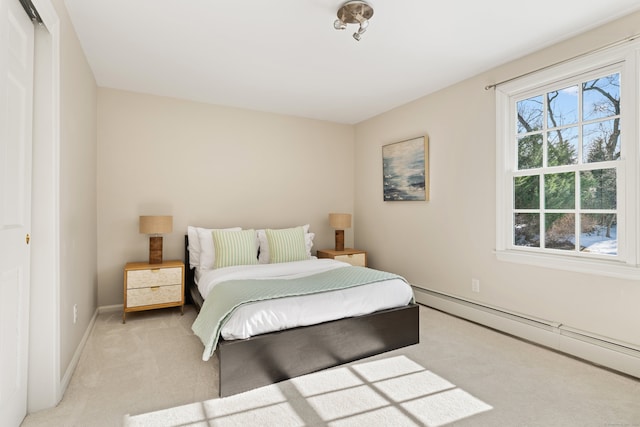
{"x": 565, "y": 178}
{"x": 566, "y": 174}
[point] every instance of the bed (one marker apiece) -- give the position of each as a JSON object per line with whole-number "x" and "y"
{"x": 270, "y": 357}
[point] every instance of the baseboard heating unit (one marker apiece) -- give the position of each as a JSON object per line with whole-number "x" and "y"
{"x": 604, "y": 351}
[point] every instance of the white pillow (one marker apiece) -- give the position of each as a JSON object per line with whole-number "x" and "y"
{"x": 207, "y": 254}
{"x": 264, "y": 257}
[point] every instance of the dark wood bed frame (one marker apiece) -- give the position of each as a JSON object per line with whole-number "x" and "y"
{"x": 278, "y": 356}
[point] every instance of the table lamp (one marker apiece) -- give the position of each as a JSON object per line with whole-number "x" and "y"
{"x": 340, "y": 221}
{"x": 155, "y": 226}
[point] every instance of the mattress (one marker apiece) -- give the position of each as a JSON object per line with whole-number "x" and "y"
{"x": 284, "y": 313}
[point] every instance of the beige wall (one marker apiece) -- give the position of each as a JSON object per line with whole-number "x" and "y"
{"x": 210, "y": 166}
{"x": 77, "y": 202}
{"x": 444, "y": 243}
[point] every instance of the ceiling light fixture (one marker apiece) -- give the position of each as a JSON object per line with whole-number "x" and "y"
{"x": 354, "y": 12}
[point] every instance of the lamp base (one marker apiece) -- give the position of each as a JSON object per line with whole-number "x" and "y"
{"x": 155, "y": 250}
{"x": 339, "y": 240}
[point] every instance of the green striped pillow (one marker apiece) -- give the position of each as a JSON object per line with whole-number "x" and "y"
{"x": 235, "y": 248}
{"x": 286, "y": 245}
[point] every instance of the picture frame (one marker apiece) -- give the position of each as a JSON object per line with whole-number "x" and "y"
{"x": 405, "y": 170}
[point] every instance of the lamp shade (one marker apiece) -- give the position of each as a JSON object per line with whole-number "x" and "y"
{"x": 340, "y": 221}
{"x": 156, "y": 224}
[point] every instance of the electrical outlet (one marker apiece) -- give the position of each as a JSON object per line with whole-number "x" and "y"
{"x": 475, "y": 285}
{"x": 75, "y": 313}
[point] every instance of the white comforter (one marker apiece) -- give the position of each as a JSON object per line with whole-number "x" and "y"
{"x": 284, "y": 313}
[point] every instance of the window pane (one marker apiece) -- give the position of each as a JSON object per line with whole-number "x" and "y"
{"x": 601, "y": 97}
{"x": 598, "y": 189}
{"x": 560, "y": 231}
{"x": 563, "y": 147}
{"x": 526, "y": 229}
{"x": 526, "y": 192}
{"x": 560, "y": 190}
{"x": 530, "y": 151}
{"x": 529, "y": 114}
{"x": 568, "y": 142}
{"x": 601, "y": 141}
{"x": 562, "y": 107}
{"x": 599, "y": 233}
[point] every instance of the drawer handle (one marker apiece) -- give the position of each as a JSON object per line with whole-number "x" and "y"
{"x": 155, "y": 270}
{"x": 154, "y": 288}
{"x": 350, "y": 255}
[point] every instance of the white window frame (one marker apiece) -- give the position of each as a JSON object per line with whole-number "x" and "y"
{"x": 623, "y": 59}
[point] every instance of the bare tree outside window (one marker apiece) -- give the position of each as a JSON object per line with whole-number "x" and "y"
{"x": 578, "y": 128}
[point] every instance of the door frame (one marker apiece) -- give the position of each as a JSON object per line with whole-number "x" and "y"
{"x": 45, "y": 386}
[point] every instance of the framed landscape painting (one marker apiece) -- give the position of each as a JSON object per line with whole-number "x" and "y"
{"x": 405, "y": 170}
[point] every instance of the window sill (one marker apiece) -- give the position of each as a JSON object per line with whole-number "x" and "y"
{"x": 599, "y": 267}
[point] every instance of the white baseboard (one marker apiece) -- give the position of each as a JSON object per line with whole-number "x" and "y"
{"x": 110, "y": 308}
{"x": 76, "y": 356}
{"x": 619, "y": 356}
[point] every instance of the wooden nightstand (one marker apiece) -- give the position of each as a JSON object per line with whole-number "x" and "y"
{"x": 352, "y": 256}
{"x": 149, "y": 286}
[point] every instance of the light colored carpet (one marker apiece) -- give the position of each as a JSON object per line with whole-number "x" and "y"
{"x": 394, "y": 391}
{"x": 149, "y": 372}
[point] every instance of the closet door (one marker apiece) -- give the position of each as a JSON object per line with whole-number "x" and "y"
{"x": 16, "y": 111}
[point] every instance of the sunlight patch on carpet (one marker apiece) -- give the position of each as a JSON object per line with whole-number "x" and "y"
{"x": 392, "y": 391}
{"x": 447, "y": 407}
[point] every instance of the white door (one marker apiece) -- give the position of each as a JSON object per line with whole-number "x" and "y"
{"x": 16, "y": 111}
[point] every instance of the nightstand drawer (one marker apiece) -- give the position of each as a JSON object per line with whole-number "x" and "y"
{"x": 154, "y": 295}
{"x": 357, "y": 260}
{"x": 154, "y": 277}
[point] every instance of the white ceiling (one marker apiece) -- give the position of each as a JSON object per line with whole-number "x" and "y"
{"x": 284, "y": 56}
